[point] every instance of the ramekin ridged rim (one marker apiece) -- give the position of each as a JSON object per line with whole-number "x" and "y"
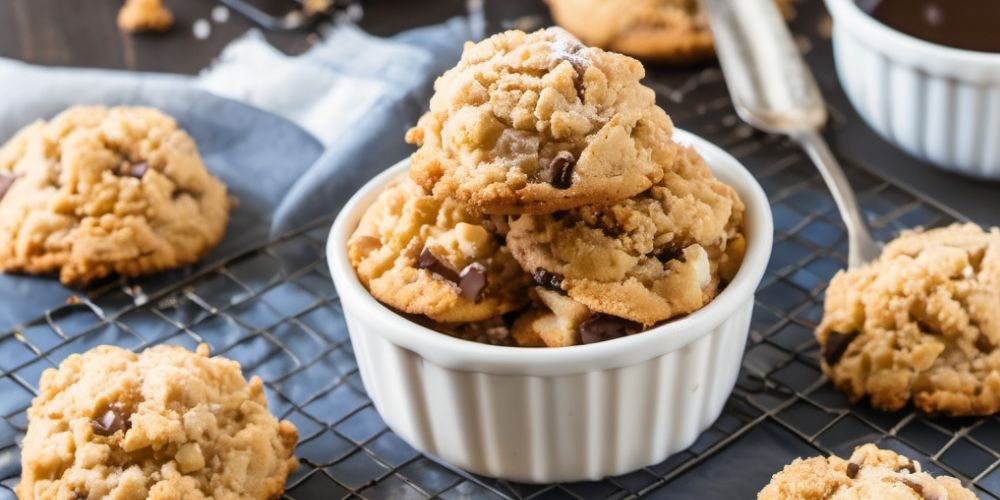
{"x": 461, "y": 354}
{"x": 941, "y": 59}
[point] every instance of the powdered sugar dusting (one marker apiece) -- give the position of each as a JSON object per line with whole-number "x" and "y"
{"x": 566, "y": 47}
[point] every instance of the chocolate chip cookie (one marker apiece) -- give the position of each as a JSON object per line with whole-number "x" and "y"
{"x": 439, "y": 258}
{"x": 164, "y": 424}
{"x": 869, "y": 473}
{"x": 652, "y": 30}
{"x": 97, "y": 191}
{"x": 635, "y": 263}
{"x": 535, "y": 123}
{"x": 920, "y": 324}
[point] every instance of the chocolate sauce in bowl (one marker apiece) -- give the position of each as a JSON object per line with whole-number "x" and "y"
{"x": 963, "y": 24}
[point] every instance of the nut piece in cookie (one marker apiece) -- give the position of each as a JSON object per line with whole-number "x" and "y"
{"x": 166, "y": 423}
{"x": 674, "y": 31}
{"x": 663, "y": 253}
{"x": 535, "y": 123}
{"x": 422, "y": 255}
{"x": 869, "y": 473}
{"x": 99, "y": 191}
{"x": 920, "y": 324}
{"x": 144, "y": 15}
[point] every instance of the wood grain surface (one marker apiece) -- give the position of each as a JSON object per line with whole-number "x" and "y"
{"x": 84, "y": 33}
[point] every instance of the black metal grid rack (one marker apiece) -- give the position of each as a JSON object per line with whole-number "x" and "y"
{"x": 274, "y": 309}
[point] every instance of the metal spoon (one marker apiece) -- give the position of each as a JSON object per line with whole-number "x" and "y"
{"x": 773, "y": 90}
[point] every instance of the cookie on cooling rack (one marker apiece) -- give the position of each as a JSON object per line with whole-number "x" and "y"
{"x": 99, "y": 191}
{"x": 869, "y": 473}
{"x": 163, "y": 424}
{"x": 920, "y": 324}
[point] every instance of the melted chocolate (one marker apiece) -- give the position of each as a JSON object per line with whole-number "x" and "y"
{"x": 963, "y": 24}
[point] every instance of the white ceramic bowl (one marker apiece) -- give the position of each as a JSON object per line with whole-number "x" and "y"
{"x": 937, "y": 103}
{"x": 554, "y": 414}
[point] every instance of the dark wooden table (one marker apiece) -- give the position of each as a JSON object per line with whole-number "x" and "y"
{"x": 84, "y": 32}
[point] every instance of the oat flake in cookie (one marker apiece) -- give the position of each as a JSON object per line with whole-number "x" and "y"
{"x": 920, "y": 324}
{"x": 870, "y": 473}
{"x": 609, "y": 271}
{"x": 164, "y": 424}
{"x": 535, "y": 123}
{"x": 422, "y": 255}
{"x": 97, "y": 191}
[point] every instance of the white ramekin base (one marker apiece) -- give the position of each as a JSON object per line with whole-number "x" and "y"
{"x": 558, "y": 428}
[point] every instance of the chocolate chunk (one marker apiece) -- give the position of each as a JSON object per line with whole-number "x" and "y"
{"x": 852, "y": 470}
{"x": 601, "y": 327}
{"x": 429, "y": 261}
{"x": 181, "y": 192}
{"x": 836, "y": 346}
{"x": 548, "y": 279}
{"x": 983, "y": 343}
{"x": 918, "y": 489}
{"x": 472, "y": 281}
{"x": 560, "y": 173}
{"x": 138, "y": 170}
{"x": 6, "y": 181}
{"x": 670, "y": 252}
{"x": 581, "y": 69}
{"x": 111, "y": 421}
{"x": 498, "y": 227}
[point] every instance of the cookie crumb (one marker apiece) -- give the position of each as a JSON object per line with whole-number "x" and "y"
{"x": 138, "y": 16}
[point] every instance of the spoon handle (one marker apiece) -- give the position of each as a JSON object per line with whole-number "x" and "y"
{"x": 862, "y": 247}
{"x": 773, "y": 89}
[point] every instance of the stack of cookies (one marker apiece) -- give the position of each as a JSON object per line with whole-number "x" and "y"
{"x": 547, "y": 204}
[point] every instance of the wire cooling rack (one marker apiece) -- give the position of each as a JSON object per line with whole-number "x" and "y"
{"x": 274, "y": 309}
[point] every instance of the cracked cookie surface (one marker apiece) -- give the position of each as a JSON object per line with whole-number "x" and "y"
{"x": 647, "y": 259}
{"x": 422, "y": 255}
{"x": 163, "y": 424}
{"x": 920, "y": 324}
{"x": 535, "y": 123}
{"x": 98, "y": 191}
{"x": 870, "y": 472}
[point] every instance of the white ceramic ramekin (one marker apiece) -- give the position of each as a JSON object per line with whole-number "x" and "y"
{"x": 937, "y": 103}
{"x": 554, "y": 414}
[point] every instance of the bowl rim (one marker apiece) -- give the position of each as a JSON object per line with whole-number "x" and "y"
{"x": 463, "y": 354}
{"x": 897, "y": 42}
